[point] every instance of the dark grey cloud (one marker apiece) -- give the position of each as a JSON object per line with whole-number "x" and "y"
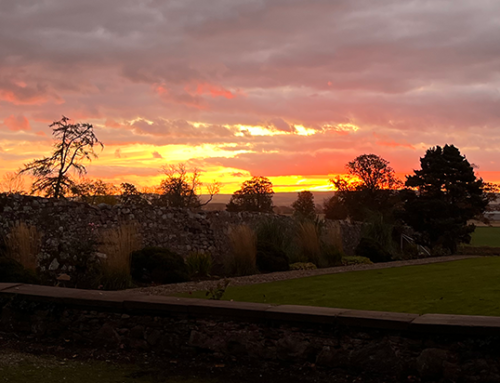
{"x": 415, "y": 73}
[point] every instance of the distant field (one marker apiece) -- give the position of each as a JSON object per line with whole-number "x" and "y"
{"x": 468, "y": 287}
{"x": 486, "y": 236}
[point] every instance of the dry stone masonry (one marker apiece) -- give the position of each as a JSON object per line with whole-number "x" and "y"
{"x": 407, "y": 347}
{"x": 70, "y": 230}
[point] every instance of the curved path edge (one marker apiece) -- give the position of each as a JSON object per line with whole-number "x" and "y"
{"x": 186, "y": 287}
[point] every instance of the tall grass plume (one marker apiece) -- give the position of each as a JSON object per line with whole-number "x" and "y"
{"x": 23, "y": 244}
{"x": 118, "y": 243}
{"x": 242, "y": 260}
{"x": 308, "y": 241}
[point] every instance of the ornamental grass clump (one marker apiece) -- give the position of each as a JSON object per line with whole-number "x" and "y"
{"x": 243, "y": 243}
{"x": 272, "y": 245}
{"x": 331, "y": 245}
{"x": 308, "y": 242}
{"x": 23, "y": 245}
{"x": 117, "y": 244}
{"x": 158, "y": 265}
{"x": 199, "y": 265}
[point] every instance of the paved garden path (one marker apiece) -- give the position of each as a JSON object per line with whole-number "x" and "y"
{"x": 283, "y": 275}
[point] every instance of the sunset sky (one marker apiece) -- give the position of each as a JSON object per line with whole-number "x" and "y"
{"x": 288, "y": 89}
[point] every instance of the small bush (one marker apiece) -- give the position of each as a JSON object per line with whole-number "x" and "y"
{"x": 13, "y": 271}
{"x": 309, "y": 242}
{"x": 158, "y": 265}
{"x": 478, "y": 250}
{"x": 272, "y": 231}
{"x": 217, "y": 292}
{"x": 270, "y": 258}
{"x": 115, "y": 280}
{"x": 330, "y": 256}
{"x": 355, "y": 260}
{"x": 242, "y": 261}
{"x": 199, "y": 265}
{"x": 439, "y": 251}
{"x": 303, "y": 266}
{"x": 371, "y": 249}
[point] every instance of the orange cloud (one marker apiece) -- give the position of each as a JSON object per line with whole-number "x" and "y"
{"x": 393, "y": 144}
{"x": 182, "y": 97}
{"x": 213, "y": 90}
{"x": 112, "y": 124}
{"x": 17, "y": 123}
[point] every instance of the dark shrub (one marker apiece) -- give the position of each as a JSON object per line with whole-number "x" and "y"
{"x": 373, "y": 250}
{"x": 330, "y": 256}
{"x": 271, "y": 258}
{"x": 13, "y": 271}
{"x": 158, "y": 265}
{"x": 199, "y": 265}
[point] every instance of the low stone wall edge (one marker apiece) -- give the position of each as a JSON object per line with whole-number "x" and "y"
{"x": 124, "y": 302}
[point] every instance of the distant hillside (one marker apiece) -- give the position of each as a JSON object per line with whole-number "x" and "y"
{"x": 279, "y": 199}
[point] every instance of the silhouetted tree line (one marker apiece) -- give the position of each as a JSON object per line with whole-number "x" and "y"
{"x": 437, "y": 200}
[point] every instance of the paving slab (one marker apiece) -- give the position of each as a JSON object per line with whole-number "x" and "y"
{"x": 39, "y": 293}
{"x": 376, "y": 319}
{"x": 96, "y": 299}
{"x": 457, "y": 324}
{"x": 245, "y": 310}
{"x": 156, "y": 305}
{"x": 6, "y": 286}
{"x": 306, "y": 314}
{"x": 90, "y": 299}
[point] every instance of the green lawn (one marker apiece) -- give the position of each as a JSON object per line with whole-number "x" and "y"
{"x": 470, "y": 287}
{"x": 486, "y": 236}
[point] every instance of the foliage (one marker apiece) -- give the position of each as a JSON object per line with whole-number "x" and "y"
{"x": 330, "y": 255}
{"x": 180, "y": 189}
{"x": 276, "y": 232}
{"x": 199, "y": 265}
{"x": 376, "y": 229}
{"x": 118, "y": 243}
{"x": 217, "y": 292}
{"x": 12, "y": 183}
{"x": 304, "y": 207}
{"x": 449, "y": 194}
{"x": 129, "y": 195}
{"x": 23, "y": 244}
{"x": 273, "y": 243}
{"x": 242, "y": 260}
{"x": 88, "y": 268}
{"x": 373, "y": 188}
{"x": 348, "y": 260}
{"x": 115, "y": 280}
{"x": 255, "y": 195}
{"x": 158, "y": 265}
{"x": 478, "y": 250}
{"x": 94, "y": 192}
{"x": 270, "y": 258}
{"x": 303, "y": 266}
{"x": 331, "y": 234}
{"x": 308, "y": 242}
{"x": 13, "y": 271}
{"x": 373, "y": 172}
{"x": 75, "y": 143}
{"x": 335, "y": 207}
{"x": 371, "y": 249}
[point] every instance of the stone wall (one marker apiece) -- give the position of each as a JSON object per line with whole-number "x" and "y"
{"x": 69, "y": 229}
{"x": 410, "y": 347}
